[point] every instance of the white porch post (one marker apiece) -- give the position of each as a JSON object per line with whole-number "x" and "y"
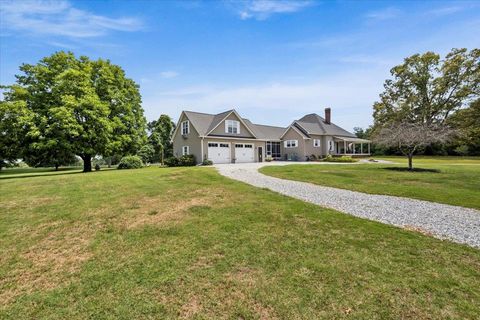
{"x": 361, "y": 147}
{"x": 353, "y": 146}
{"x": 344, "y": 147}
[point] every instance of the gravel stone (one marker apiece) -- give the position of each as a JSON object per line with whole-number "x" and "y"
{"x": 443, "y": 221}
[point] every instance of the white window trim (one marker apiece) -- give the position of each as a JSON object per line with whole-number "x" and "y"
{"x": 331, "y": 145}
{"x": 183, "y": 150}
{"x": 292, "y": 143}
{"x": 317, "y": 143}
{"x": 233, "y": 123}
{"x": 187, "y": 127}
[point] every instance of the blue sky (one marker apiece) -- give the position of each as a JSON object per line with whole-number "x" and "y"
{"x": 273, "y": 61}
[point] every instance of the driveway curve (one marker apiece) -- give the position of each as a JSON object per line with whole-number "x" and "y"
{"x": 443, "y": 221}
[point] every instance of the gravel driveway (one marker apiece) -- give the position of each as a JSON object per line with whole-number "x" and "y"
{"x": 443, "y": 221}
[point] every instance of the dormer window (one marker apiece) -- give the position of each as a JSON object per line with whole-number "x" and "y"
{"x": 232, "y": 126}
{"x": 185, "y": 127}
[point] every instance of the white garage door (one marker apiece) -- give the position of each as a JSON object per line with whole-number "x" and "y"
{"x": 219, "y": 152}
{"x": 244, "y": 152}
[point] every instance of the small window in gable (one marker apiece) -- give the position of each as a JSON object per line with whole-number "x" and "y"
{"x": 232, "y": 126}
{"x": 185, "y": 127}
{"x": 316, "y": 143}
{"x": 185, "y": 150}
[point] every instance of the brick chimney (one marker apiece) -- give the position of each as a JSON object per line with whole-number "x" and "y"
{"x": 328, "y": 115}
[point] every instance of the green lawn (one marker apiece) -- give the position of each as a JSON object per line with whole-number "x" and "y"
{"x": 457, "y": 183}
{"x": 189, "y": 243}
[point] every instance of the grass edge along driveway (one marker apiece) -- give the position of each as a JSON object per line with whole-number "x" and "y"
{"x": 457, "y": 183}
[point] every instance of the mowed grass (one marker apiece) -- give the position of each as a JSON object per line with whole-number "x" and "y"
{"x": 457, "y": 183}
{"x": 189, "y": 243}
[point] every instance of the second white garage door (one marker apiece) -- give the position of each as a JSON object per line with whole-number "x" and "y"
{"x": 219, "y": 152}
{"x": 244, "y": 153}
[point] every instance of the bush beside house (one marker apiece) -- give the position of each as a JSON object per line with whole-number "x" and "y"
{"x": 130, "y": 162}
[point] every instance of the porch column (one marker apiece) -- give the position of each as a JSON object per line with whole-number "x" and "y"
{"x": 353, "y": 146}
{"x": 361, "y": 147}
{"x": 344, "y": 147}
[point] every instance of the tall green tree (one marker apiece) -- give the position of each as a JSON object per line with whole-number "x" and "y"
{"x": 426, "y": 89}
{"x": 467, "y": 122}
{"x": 160, "y": 136}
{"x": 16, "y": 125}
{"x": 423, "y": 93}
{"x": 82, "y": 107}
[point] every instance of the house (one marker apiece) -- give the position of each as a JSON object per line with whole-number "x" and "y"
{"x": 228, "y": 138}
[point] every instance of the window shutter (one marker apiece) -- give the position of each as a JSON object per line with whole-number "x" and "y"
{"x": 226, "y": 126}
{"x": 238, "y": 127}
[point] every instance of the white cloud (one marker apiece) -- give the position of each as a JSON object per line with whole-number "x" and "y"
{"x": 169, "y": 74}
{"x": 383, "y": 14}
{"x": 60, "y": 18}
{"x": 263, "y": 9}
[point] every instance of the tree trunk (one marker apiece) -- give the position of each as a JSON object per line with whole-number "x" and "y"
{"x": 109, "y": 162}
{"x": 161, "y": 158}
{"x": 87, "y": 163}
{"x": 56, "y": 167}
{"x": 410, "y": 164}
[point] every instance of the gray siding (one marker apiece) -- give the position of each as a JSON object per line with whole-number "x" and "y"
{"x": 291, "y": 153}
{"x": 192, "y": 140}
{"x": 220, "y": 130}
{"x": 310, "y": 149}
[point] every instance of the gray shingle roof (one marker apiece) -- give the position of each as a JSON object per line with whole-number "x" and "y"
{"x": 204, "y": 123}
{"x": 311, "y": 124}
{"x": 314, "y": 124}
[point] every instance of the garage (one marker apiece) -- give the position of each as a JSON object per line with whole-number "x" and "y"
{"x": 244, "y": 152}
{"x": 219, "y": 152}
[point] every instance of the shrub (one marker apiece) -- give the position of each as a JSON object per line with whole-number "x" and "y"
{"x": 329, "y": 158}
{"x": 207, "y": 162}
{"x": 171, "y": 162}
{"x": 130, "y": 162}
{"x": 97, "y": 167}
{"x": 268, "y": 158}
{"x": 184, "y": 161}
{"x": 187, "y": 160}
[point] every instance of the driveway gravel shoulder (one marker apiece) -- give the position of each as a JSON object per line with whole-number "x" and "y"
{"x": 443, "y": 221}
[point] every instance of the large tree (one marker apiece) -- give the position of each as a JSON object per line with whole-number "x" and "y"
{"x": 16, "y": 125}
{"x": 467, "y": 122}
{"x": 82, "y": 107}
{"x": 426, "y": 89}
{"x": 160, "y": 136}
{"x": 424, "y": 92}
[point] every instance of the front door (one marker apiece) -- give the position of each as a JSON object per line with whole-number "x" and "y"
{"x": 260, "y": 154}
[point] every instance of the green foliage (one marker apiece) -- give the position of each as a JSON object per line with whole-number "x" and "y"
{"x": 183, "y": 161}
{"x": 147, "y": 153}
{"x": 80, "y": 107}
{"x": 130, "y": 162}
{"x": 172, "y": 162}
{"x": 330, "y": 158}
{"x": 207, "y": 162}
{"x": 426, "y": 89}
{"x": 160, "y": 137}
{"x": 97, "y": 167}
{"x": 467, "y": 122}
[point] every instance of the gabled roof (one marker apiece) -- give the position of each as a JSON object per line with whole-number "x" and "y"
{"x": 314, "y": 124}
{"x": 204, "y": 123}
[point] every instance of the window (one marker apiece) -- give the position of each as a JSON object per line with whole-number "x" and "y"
{"x": 232, "y": 126}
{"x": 238, "y": 145}
{"x": 185, "y": 127}
{"x": 213, "y": 144}
{"x": 224, "y": 145}
{"x": 316, "y": 143}
{"x": 291, "y": 143}
{"x": 249, "y": 146}
{"x": 330, "y": 145}
{"x": 185, "y": 150}
{"x": 273, "y": 149}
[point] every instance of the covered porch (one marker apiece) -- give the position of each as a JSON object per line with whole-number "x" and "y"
{"x": 351, "y": 146}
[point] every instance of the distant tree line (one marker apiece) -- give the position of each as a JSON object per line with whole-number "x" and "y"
{"x": 64, "y": 108}
{"x": 430, "y": 106}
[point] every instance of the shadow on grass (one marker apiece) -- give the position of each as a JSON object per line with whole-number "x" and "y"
{"x": 47, "y": 173}
{"x": 406, "y": 169}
